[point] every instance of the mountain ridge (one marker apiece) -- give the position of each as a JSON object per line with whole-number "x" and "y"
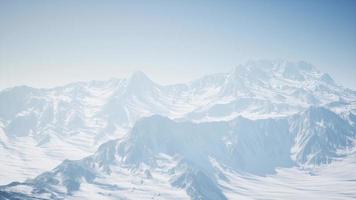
{"x": 267, "y": 100}
{"x": 246, "y": 146}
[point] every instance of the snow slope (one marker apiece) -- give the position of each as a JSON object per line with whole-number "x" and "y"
{"x": 164, "y": 159}
{"x": 260, "y": 118}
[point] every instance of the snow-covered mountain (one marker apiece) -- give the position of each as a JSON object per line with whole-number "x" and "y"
{"x": 160, "y": 157}
{"x": 198, "y": 137}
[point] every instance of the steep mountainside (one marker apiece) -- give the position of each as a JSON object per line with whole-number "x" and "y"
{"x": 198, "y": 158}
{"x": 197, "y": 137}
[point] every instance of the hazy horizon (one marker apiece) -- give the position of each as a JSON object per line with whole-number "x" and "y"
{"x": 52, "y": 43}
{"x": 183, "y": 81}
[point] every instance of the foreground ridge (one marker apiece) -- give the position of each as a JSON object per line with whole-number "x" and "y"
{"x": 208, "y": 160}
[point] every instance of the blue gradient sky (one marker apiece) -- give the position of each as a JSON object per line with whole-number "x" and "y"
{"x": 49, "y": 43}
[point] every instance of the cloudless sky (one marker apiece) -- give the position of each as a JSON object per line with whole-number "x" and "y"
{"x": 47, "y": 43}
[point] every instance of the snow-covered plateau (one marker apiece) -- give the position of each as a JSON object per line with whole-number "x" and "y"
{"x": 265, "y": 130}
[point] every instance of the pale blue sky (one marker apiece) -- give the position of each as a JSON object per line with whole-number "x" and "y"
{"x": 48, "y": 43}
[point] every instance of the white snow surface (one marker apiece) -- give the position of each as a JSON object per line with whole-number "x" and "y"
{"x": 39, "y": 128}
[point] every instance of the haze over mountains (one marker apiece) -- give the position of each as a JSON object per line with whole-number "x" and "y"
{"x": 256, "y": 129}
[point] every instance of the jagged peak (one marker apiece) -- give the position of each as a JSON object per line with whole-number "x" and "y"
{"x": 139, "y": 76}
{"x": 139, "y": 83}
{"x": 325, "y": 77}
{"x": 274, "y": 65}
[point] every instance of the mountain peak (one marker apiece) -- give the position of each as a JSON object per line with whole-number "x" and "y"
{"x": 139, "y": 83}
{"x": 265, "y": 69}
{"x": 139, "y": 76}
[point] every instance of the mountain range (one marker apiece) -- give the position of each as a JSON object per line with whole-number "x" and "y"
{"x": 265, "y": 130}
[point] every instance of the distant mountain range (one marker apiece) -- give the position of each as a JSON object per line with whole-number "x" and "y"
{"x": 265, "y": 124}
